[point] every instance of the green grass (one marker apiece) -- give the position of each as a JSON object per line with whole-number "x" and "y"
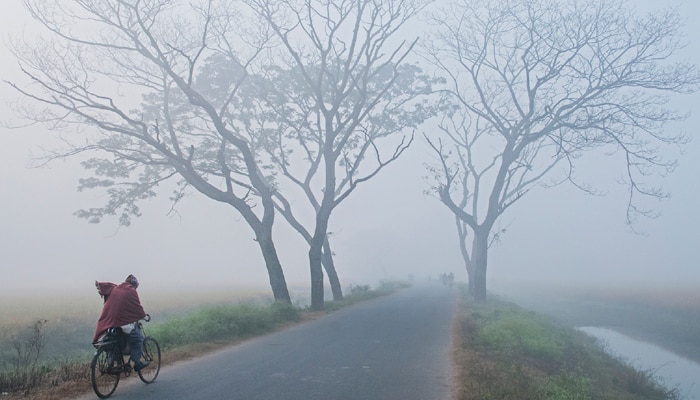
{"x": 508, "y": 330}
{"x": 222, "y": 323}
{"x": 508, "y": 352}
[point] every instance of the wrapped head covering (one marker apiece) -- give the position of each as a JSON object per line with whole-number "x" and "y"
{"x": 132, "y": 280}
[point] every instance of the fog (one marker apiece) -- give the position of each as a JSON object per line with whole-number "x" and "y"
{"x": 387, "y": 229}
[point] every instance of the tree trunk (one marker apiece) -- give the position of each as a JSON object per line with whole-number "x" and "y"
{"x": 329, "y": 266}
{"x": 316, "y": 271}
{"x": 479, "y": 263}
{"x": 316, "y": 258}
{"x": 462, "y": 234}
{"x": 326, "y": 256}
{"x": 274, "y": 268}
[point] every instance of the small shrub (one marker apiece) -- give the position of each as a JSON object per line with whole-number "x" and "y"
{"x": 28, "y": 347}
{"x": 26, "y": 372}
{"x": 359, "y": 289}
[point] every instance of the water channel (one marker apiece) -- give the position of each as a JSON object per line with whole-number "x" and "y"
{"x": 671, "y": 369}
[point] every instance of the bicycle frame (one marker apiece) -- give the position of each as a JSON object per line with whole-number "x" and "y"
{"x": 109, "y": 362}
{"x": 116, "y": 342}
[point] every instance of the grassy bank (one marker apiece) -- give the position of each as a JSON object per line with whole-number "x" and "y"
{"x": 506, "y": 352}
{"x": 28, "y": 374}
{"x": 668, "y": 316}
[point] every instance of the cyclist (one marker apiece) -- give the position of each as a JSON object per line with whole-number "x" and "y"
{"x": 122, "y": 308}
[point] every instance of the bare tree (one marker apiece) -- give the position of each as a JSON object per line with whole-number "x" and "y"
{"x": 537, "y": 84}
{"x": 102, "y": 56}
{"x": 344, "y": 86}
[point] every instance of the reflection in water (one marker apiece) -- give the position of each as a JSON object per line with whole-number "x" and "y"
{"x": 672, "y": 370}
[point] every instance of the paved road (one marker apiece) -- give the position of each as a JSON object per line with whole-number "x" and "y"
{"x": 395, "y": 347}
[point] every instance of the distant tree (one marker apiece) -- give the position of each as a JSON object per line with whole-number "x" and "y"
{"x": 344, "y": 86}
{"x": 101, "y": 57}
{"x": 537, "y": 84}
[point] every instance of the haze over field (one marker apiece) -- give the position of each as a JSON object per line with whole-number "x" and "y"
{"x": 387, "y": 229}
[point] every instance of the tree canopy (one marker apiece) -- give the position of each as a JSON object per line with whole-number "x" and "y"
{"x": 536, "y": 85}
{"x": 225, "y": 99}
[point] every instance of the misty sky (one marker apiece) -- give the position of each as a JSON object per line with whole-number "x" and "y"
{"x": 386, "y": 229}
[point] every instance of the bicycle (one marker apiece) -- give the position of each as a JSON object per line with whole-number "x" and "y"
{"x": 108, "y": 363}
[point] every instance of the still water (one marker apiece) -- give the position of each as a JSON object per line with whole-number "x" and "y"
{"x": 671, "y": 369}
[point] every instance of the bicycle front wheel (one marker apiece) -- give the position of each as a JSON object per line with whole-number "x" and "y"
{"x": 151, "y": 353}
{"x": 104, "y": 372}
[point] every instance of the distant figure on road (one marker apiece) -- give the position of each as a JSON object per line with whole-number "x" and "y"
{"x": 447, "y": 279}
{"x": 122, "y": 308}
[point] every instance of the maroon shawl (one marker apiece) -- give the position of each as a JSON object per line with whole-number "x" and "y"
{"x": 122, "y": 306}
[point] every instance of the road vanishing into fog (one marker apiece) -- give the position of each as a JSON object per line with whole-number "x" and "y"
{"x": 395, "y": 347}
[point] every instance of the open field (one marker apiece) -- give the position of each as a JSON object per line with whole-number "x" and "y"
{"x": 70, "y": 318}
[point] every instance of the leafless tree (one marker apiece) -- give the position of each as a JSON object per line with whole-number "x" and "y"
{"x": 129, "y": 82}
{"x": 537, "y": 84}
{"x": 345, "y": 85}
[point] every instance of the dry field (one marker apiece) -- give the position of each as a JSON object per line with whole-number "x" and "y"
{"x": 70, "y": 317}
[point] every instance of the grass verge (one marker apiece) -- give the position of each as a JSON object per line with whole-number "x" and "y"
{"x": 505, "y": 352}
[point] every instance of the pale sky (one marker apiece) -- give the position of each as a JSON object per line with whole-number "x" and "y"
{"x": 386, "y": 229}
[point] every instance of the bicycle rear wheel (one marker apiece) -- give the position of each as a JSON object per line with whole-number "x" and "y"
{"x": 151, "y": 353}
{"x": 104, "y": 372}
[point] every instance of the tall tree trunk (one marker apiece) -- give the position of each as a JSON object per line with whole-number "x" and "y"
{"x": 479, "y": 262}
{"x": 316, "y": 271}
{"x": 316, "y": 258}
{"x": 462, "y": 233}
{"x": 326, "y": 257}
{"x": 329, "y": 266}
{"x": 278, "y": 282}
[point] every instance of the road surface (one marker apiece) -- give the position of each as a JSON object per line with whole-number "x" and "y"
{"x": 394, "y": 347}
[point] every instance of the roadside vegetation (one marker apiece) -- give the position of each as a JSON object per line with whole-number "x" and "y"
{"x": 668, "y": 317}
{"x": 506, "y": 352}
{"x": 26, "y": 372}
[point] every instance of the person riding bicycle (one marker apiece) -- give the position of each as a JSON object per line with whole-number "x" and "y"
{"x": 122, "y": 308}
